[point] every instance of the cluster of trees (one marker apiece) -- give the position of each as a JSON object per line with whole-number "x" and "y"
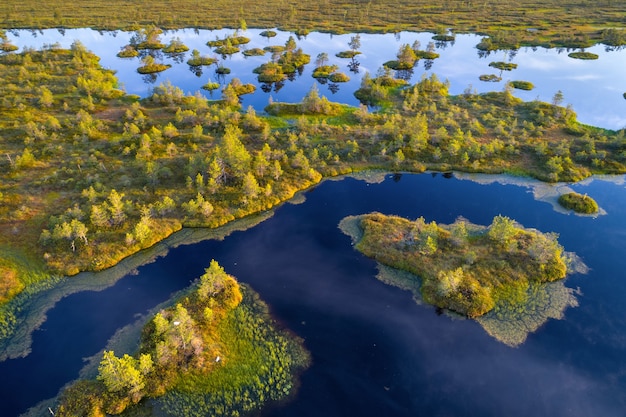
{"x": 178, "y": 339}
{"x": 463, "y": 267}
{"x": 228, "y": 349}
{"x": 113, "y": 174}
{"x": 285, "y": 60}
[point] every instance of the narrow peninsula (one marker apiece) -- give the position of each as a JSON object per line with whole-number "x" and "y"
{"x": 505, "y": 276}
{"x": 214, "y": 351}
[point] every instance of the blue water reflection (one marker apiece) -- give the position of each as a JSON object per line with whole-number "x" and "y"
{"x": 593, "y": 88}
{"x": 375, "y": 352}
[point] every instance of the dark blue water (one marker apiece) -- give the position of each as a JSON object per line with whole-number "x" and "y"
{"x": 375, "y": 352}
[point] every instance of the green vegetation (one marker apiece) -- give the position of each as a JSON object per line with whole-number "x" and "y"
{"x": 408, "y": 55}
{"x": 583, "y": 55}
{"x": 254, "y": 52}
{"x": 312, "y": 104}
{"x": 522, "y": 85}
{"x": 269, "y": 73}
{"x": 503, "y": 66}
{"x": 91, "y": 176}
{"x": 347, "y": 54}
{"x": 207, "y": 354}
{"x": 229, "y": 40}
{"x": 227, "y": 49}
{"x": 197, "y": 60}
{"x": 552, "y": 22}
{"x": 210, "y": 86}
{"x": 324, "y": 71}
{"x": 289, "y": 61}
{"x": 579, "y": 203}
{"x": 490, "y": 78}
{"x": 268, "y": 33}
{"x": 239, "y": 89}
{"x": 5, "y": 44}
{"x": 338, "y": 77}
{"x": 444, "y": 38}
{"x": 176, "y": 46}
{"x": 128, "y": 52}
{"x": 426, "y": 54}
{"x": 379, "y": 90}
{"x": 150, "y": 66}
{"x": 464, "y": 268}
{"x": 147, "y": 38}
{"x": 222, "y": 70}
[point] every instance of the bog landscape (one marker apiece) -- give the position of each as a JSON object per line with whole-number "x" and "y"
{"x": 312, "y": 208}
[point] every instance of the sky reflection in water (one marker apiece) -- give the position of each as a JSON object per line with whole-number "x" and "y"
{"x": 594, "y": 88}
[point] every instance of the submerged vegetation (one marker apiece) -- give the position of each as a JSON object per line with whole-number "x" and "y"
{"x": 210, "y": 353}
{"x": 472, "y": 270}
{"x": 579, "y": 203}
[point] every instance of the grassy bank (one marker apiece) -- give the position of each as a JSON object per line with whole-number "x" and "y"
{"x": 551, "y": 22}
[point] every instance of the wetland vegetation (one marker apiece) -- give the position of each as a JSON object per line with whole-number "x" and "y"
{"x": 499, "y": 273}
{"x": 92, "y": 175}
{"x": 214, "y": 351}
{"x": 579, "y": 203}
{"x": 509, "y": 24}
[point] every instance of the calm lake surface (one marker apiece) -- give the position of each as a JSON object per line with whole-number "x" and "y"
{"x": 593, "y": 88}
{"x": 375, "y": 352}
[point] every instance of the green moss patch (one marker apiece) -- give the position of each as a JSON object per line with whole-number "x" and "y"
{"x": 215, "y": 351}
{"x": 579, "y": 203}
{"x": 583, "y": 55}
{"x": 522, "y": 85}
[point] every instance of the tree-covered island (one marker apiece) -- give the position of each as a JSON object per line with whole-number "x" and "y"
{"x": 91, "y": 175}
{"x": 214, "y": 351}
{"x": 501, "y": 272}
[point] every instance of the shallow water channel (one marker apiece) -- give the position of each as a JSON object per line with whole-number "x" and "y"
{"x": 375, "y": 352}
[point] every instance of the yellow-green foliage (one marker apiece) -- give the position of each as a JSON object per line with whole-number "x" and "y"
{"x": 208, "y": 354}
{"x": 464, "y": 268}
{"x": 90, "y": 175}
{"x": 556, "y": 22}
{"x": 579, "y": 203}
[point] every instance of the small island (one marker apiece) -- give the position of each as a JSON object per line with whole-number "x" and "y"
{"x": 522, "y": 85}
{"x": 501, "y": 274}
{"x": 214, "y": 351}
{"x": 579, "y": 203}
{"x": 583, "y": 55}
